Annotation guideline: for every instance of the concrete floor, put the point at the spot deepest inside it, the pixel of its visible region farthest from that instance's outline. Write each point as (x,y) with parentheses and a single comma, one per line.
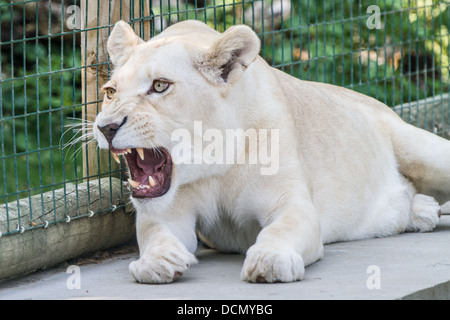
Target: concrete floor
(411,265)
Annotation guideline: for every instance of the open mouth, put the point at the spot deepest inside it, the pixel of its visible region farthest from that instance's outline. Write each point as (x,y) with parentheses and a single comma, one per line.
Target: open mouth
(150,170)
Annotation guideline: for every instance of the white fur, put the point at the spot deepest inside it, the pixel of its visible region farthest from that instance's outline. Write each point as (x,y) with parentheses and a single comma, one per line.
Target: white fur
(349,167)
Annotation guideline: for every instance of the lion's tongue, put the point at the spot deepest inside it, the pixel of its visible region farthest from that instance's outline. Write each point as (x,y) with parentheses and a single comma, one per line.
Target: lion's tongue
(147,176)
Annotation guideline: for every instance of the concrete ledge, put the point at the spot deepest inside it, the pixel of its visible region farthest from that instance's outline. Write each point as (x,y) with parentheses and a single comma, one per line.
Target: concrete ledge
(411,266)
(42,247)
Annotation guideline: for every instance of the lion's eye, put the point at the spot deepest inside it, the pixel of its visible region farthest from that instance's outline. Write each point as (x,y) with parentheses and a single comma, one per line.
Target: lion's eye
(110,92)
(160,86)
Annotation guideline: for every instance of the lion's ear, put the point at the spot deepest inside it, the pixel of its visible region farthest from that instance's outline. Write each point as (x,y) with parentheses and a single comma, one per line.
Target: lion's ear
(121,43)
(226,59)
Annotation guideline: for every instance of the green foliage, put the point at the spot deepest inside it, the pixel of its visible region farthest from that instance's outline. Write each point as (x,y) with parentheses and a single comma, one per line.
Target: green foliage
(405,60)
(40,88)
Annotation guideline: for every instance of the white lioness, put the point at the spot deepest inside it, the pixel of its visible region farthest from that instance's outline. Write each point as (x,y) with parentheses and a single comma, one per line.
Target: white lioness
(349,167)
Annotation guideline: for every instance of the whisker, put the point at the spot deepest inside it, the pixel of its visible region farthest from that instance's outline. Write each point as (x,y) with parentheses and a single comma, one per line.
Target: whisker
(83,127)
(79,119)
(78,139)
(84,146)
(74,136)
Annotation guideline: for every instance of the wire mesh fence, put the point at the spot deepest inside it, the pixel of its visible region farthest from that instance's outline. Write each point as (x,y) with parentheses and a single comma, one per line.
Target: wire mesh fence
(53,62)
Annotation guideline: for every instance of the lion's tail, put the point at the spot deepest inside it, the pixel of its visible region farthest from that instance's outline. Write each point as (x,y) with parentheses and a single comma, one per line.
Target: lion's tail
(423,157)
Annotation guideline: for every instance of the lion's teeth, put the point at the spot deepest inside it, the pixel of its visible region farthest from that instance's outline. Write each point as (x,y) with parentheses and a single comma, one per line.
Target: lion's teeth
(128,150)
(140,151)
(151,181)
(133,184)
(116,157)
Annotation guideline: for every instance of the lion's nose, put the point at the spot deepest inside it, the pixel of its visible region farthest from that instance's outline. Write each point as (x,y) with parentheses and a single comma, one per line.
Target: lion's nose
(110,130)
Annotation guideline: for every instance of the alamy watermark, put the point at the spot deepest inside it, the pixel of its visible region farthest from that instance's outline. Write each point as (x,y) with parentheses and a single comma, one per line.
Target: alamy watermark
(73,21)
(374,280)
(229,146)
(374,21)
(74,280)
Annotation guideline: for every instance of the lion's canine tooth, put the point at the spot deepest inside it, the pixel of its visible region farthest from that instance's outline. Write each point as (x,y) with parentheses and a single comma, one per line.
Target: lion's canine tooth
(151,181)
(128,150)
(140,151)
(133,184)
(116,157)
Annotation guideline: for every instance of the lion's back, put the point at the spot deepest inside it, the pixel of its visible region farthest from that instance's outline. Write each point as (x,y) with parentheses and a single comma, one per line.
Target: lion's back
(348,154)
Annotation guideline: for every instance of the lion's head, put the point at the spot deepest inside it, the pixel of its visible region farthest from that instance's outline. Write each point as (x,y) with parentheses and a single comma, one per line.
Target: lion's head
(183,75)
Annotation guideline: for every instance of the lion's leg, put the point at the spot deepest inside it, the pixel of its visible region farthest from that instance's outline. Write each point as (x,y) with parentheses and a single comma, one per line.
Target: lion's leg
(285,246)
(163,256)
(423,158)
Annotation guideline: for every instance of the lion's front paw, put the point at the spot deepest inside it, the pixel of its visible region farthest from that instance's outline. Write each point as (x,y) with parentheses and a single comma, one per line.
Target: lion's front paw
(272,266)
(161,268)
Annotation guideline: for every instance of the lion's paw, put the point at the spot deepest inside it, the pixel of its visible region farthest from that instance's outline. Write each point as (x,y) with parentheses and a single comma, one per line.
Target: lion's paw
(272,266)
(161,268)
(425,213)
